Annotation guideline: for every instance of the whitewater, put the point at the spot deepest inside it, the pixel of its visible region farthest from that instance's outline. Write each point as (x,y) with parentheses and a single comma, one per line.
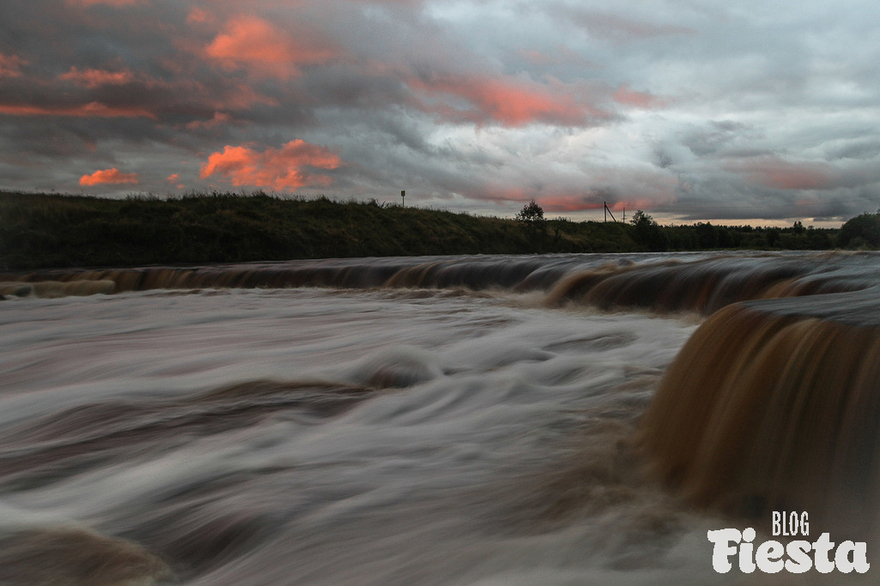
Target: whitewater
(458,420)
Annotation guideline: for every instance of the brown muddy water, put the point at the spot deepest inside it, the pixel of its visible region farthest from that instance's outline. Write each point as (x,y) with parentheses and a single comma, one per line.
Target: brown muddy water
(458,420)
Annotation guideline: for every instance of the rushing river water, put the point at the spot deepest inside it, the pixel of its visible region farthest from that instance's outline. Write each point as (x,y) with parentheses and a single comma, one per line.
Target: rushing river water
(403,432)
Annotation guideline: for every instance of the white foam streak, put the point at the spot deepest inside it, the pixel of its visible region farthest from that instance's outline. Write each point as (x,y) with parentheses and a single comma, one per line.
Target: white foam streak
(433,480)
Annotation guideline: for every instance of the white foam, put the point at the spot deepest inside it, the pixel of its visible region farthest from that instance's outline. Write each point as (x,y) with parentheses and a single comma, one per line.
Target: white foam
(425,479)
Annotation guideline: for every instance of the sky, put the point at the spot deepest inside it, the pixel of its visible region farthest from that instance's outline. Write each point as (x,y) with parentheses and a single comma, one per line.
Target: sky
(724,111)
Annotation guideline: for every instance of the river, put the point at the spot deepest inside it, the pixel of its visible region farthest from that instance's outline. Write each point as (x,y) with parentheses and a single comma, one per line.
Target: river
(382,421)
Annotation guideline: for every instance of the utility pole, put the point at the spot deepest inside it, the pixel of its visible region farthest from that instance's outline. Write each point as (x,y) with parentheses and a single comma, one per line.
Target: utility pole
(608,212)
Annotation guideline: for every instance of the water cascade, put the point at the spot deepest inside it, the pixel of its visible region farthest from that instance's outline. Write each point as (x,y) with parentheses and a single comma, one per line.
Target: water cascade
(416,420)
(774,405)
(697,282)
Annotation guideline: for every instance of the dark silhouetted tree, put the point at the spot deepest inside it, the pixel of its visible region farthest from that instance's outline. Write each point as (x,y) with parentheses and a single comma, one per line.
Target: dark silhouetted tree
(531,213)
(648,233)
(531,216)
(861,231)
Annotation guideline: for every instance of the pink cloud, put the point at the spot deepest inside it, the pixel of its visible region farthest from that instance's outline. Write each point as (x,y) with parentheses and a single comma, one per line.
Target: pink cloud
(10,65)
(644,100)
(273,168)
(90,110)
(114,3)
(239,97)
(216,120)
(567,203)
(93,78)
(108,176)
(198,16)
(251,42)
(508,102)
(777,173)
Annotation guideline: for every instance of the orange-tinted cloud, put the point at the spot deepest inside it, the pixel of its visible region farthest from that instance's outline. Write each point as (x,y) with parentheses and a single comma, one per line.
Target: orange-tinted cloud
(175,178)
(568,203)
(508,102)
(10,65)
(93,78)
(108,176)
(248,41)
(625,96)
(115,3)
(197,16)
(90,110)
(273,168)
(777,173)
(240,96)
(217,119)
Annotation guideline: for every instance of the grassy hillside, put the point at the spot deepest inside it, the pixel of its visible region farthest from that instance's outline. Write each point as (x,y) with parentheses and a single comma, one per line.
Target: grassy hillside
(43,230)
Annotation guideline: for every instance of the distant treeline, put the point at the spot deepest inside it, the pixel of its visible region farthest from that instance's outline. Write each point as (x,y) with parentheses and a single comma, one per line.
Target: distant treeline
(50,230)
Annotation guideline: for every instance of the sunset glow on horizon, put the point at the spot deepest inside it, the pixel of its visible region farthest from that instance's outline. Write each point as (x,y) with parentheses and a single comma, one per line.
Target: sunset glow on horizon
(720,111)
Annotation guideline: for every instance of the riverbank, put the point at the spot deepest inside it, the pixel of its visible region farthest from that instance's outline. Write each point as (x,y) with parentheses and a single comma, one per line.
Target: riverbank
(55,231)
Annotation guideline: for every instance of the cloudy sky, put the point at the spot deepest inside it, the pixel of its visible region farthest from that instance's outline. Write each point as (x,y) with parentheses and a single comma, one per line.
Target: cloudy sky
(728,111)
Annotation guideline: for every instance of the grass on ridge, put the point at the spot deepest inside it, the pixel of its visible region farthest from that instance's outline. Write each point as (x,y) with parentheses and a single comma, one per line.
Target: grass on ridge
(51,230)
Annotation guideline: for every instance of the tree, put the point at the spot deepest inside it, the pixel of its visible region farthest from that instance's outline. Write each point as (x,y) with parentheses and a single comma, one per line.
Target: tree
(648,233)
(531,217)
(707,235)
(640,218)
(861,231)
(531,213)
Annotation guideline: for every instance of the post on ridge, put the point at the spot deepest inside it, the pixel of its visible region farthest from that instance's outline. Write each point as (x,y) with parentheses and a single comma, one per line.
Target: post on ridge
(608,211)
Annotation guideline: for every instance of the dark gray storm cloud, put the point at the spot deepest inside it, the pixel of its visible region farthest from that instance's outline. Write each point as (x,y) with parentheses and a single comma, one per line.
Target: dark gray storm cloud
(691,111)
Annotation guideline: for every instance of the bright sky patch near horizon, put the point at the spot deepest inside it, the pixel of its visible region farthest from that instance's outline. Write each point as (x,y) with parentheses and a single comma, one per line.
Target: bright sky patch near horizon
(729,112)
